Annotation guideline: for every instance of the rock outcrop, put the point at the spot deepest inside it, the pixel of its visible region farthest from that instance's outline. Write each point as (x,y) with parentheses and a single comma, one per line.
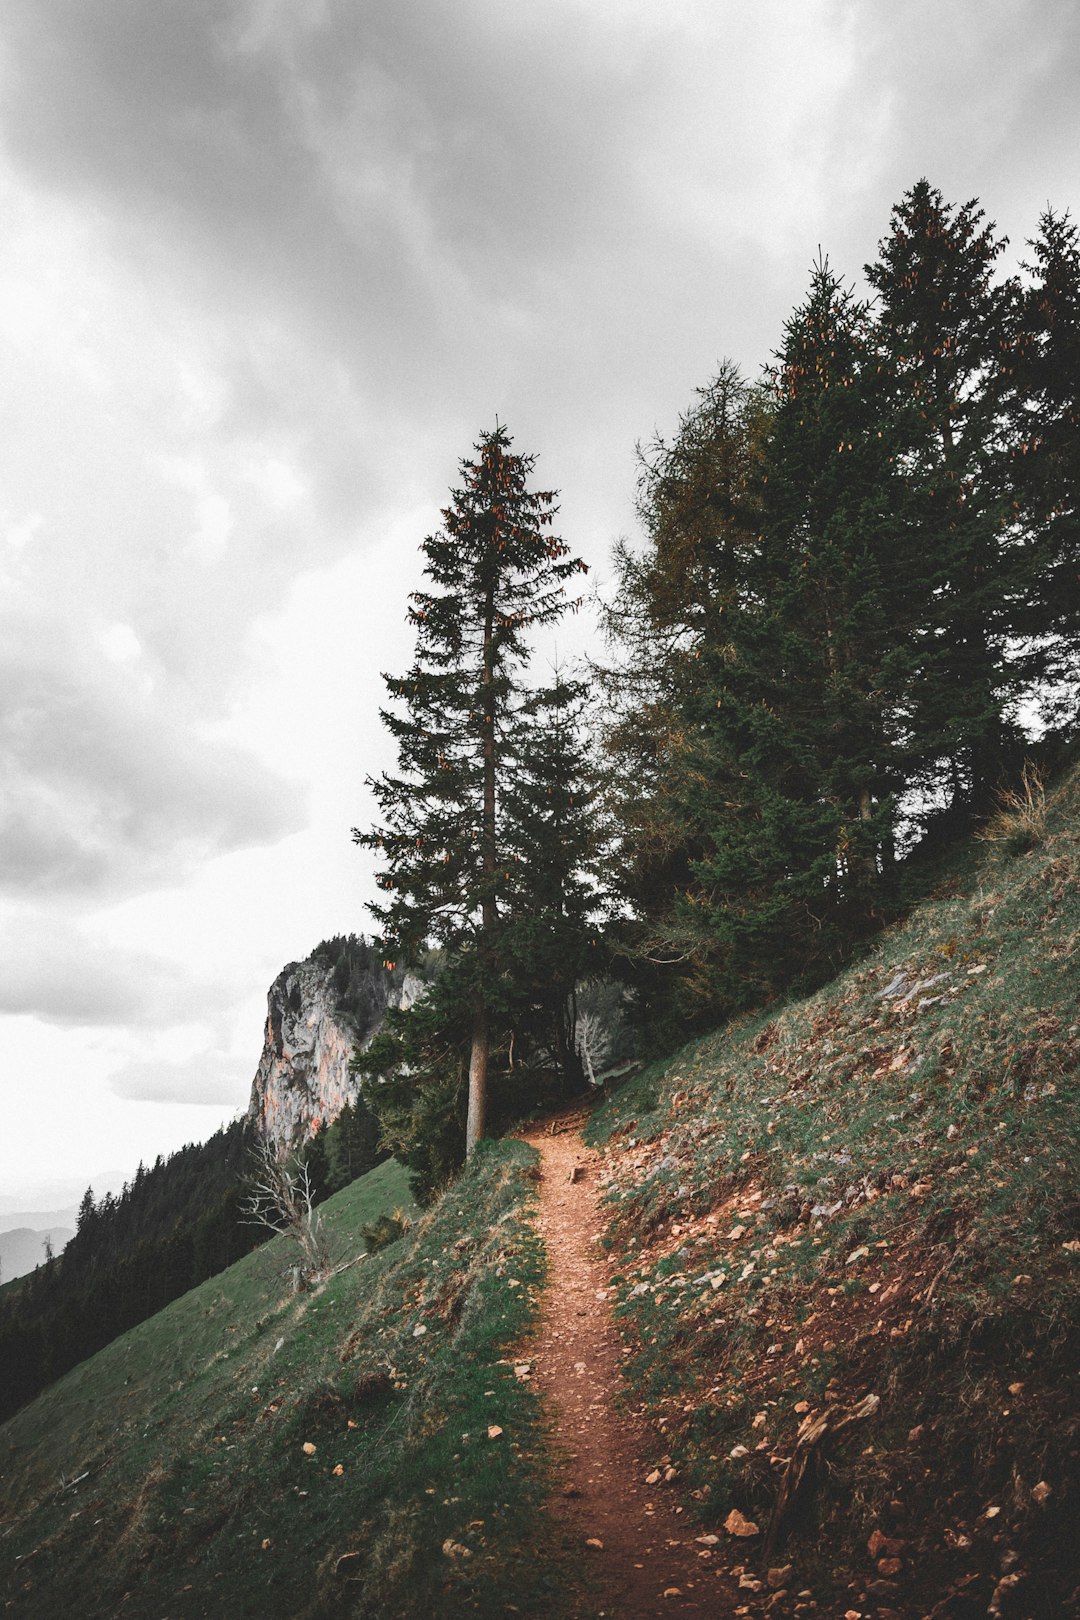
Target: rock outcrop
(318,1012)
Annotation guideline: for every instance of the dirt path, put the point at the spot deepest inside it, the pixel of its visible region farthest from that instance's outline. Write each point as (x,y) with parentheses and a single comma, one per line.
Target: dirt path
(649,1562)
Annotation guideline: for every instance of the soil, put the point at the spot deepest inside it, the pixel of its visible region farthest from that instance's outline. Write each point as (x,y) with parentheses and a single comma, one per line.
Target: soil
(640,1542)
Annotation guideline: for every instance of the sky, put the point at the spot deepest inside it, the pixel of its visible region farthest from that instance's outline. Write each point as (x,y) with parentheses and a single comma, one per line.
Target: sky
(267,271)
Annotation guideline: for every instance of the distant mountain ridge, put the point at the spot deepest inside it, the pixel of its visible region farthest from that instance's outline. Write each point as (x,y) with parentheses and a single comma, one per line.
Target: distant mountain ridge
(39,1220)
(24,1247)
(32,1201)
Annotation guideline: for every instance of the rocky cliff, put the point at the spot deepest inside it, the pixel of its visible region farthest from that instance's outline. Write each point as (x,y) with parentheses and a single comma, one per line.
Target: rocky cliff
(318,1012)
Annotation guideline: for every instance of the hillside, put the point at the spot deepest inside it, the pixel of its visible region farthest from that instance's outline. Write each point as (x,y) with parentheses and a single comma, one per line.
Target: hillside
(847,1245)
(174,1225)
(842,1239)
(182,1220)
(249,1452)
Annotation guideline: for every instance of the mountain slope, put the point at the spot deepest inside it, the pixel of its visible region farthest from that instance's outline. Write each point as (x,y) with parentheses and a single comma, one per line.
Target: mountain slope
(845,1246)
(848,1237)
(248,1452)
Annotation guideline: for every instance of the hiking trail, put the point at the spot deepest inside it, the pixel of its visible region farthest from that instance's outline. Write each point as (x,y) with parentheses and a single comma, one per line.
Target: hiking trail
(649,1561)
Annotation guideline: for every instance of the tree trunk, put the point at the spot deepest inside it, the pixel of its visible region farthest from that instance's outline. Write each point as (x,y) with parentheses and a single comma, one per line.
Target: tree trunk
(478,1058)
(487,695)
(867,854)
(478,1064)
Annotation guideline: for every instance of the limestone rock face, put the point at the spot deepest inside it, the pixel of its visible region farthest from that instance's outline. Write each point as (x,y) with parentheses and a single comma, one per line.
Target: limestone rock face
(303,1080)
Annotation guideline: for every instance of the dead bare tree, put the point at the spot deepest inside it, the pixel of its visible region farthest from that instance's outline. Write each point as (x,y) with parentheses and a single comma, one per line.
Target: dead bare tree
(281,1199)
(592,1038)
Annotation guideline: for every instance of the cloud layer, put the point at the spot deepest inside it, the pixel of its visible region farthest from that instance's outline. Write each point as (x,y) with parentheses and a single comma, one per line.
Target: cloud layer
(105,789)
(191,1080)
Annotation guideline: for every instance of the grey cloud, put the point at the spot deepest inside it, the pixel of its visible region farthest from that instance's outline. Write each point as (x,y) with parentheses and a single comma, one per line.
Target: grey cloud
(442,196)
(347,117)
(201,1079)
(459,210)
(108,788)
(380,205)
(51,970)
(406,177)
(981,99)
(151,101)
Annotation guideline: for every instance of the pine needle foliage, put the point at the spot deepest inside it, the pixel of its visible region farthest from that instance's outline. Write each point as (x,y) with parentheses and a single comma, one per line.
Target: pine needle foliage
(944,331)
(856,604)
(496,572)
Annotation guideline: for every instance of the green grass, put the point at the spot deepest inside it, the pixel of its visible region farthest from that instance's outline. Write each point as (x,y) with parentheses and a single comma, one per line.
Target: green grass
(201,1499)
(940,1134)
(195,1348)
(872,1192)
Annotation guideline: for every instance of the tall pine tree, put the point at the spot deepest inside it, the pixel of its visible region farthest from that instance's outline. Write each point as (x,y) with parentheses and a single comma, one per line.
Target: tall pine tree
(792,776)
(851,596)
(1043,476)
(496,571)
(674,597)
(944,331)
(553,839)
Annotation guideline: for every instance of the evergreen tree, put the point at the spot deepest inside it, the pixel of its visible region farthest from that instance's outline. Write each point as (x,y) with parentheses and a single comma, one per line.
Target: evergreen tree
(674,598)
(351,1144)
(850,594)
(495,571)
(172,1226)
(791,775)
(84,1221)
(944,327)
(774,640)
(414,1076)
(1044,472)
(553,836)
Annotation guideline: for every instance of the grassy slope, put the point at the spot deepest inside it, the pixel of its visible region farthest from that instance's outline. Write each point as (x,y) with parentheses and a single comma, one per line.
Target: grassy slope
(873,1193)
(191,1348)
(201,1500)
(876,1192)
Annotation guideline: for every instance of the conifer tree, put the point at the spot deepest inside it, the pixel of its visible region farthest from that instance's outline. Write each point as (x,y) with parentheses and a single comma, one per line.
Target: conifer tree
(800,728)
(850,595)
(1044,473)
(781,629)
(672,604)
(495,571)
(352,1144)
(553,838)
(944,332)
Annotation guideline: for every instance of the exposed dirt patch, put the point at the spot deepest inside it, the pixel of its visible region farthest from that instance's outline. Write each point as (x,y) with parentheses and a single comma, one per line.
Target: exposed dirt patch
(649,1561)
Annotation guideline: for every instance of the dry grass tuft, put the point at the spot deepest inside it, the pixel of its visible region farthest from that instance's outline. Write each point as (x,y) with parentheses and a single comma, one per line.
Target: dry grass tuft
(1020,823)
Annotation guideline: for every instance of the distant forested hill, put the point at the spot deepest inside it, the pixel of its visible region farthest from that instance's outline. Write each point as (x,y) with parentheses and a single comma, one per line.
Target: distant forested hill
(177,1223)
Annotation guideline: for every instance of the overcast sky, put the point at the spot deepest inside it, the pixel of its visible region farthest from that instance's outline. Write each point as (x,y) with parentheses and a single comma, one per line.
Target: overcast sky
(267,269)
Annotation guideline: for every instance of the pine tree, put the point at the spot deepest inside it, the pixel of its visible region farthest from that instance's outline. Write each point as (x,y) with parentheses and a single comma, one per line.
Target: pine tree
(352,1144)
(412,1076)
(674,597)
(792,776)
(944,331)
(495,571)
(553,837)
(776,641)
(1044,472)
